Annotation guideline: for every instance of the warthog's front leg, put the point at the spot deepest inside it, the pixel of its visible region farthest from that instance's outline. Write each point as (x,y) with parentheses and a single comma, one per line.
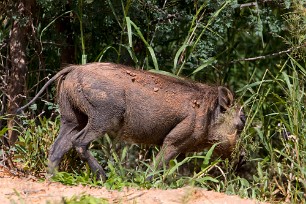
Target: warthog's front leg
(177,141)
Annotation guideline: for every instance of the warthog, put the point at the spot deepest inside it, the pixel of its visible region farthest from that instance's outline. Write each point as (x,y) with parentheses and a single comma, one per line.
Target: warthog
(140,107)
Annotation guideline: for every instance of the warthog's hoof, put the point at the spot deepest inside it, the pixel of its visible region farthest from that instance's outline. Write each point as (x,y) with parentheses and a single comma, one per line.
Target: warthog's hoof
(101,176)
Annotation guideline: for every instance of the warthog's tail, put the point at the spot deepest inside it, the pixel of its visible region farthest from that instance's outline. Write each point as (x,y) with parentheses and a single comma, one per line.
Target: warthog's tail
(57,75)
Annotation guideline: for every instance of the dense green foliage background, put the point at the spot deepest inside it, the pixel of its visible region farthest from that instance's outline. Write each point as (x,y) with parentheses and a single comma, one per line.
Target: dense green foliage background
(257,48)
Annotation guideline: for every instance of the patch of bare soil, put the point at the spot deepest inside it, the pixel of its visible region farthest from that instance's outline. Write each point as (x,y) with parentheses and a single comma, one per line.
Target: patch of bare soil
(30,191)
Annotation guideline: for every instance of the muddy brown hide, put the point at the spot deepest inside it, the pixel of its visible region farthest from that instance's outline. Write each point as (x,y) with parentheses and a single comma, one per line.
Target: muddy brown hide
(141,107)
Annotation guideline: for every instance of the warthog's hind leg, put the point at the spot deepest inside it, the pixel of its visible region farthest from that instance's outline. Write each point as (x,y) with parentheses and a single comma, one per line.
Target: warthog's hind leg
(81,146)
(92,162)
(62,144)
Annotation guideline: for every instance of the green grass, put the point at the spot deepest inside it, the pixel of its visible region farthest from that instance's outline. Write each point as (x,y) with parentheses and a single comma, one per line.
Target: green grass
(121,175)
(84,199)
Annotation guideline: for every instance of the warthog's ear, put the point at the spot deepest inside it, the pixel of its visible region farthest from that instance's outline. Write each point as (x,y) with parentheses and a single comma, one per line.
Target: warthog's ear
(225,98)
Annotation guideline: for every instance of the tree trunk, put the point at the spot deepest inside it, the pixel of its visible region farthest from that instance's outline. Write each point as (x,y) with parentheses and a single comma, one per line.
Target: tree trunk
(18,70)
(64,26)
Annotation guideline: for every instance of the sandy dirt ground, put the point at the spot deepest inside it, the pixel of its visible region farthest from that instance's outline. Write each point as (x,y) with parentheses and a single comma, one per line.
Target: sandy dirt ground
(15,189)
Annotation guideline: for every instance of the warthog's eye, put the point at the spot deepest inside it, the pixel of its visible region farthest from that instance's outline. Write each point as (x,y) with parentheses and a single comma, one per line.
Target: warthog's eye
(222,109)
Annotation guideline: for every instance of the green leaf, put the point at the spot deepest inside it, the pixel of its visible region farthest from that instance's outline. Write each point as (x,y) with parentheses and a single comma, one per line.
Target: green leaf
(164,73)
(178,54)
(124,153)
(131,52)
(33,107)
(129,30)
(206,63)
(244,182)
(209,153)
(3,131)
(254,84)
(177,165)
(298,64)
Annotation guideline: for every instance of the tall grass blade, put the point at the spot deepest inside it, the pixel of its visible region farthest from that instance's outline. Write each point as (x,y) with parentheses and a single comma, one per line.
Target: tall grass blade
(297,64)
(102,53)
(129,30)
(114,13)
(206,63)
(131,23)
(254,84)
(209,154)
(131,52)
(165,73)
(178,54)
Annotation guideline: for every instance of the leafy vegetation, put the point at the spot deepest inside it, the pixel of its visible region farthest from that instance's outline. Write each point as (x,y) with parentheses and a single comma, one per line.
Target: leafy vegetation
(84,199)
(256,48)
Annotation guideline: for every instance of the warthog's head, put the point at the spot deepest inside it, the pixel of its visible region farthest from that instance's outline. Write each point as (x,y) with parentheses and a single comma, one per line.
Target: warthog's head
(228,124)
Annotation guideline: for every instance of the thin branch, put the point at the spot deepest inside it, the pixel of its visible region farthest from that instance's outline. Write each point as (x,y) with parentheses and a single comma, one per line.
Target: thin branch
(251,4)
(254,4)
(270,55)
